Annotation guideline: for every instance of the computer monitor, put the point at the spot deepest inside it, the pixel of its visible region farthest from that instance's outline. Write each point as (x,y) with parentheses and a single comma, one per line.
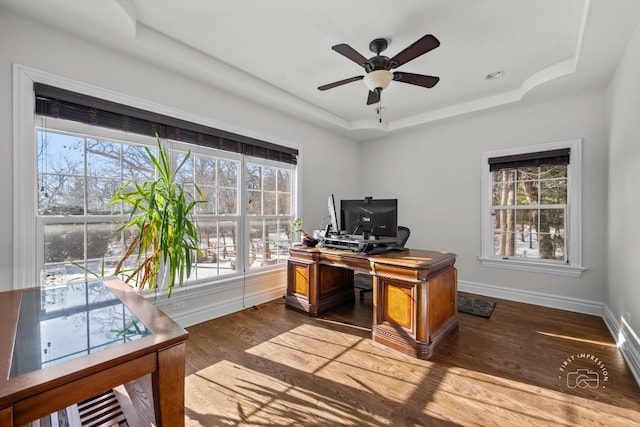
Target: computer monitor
(335,228)
(370,217)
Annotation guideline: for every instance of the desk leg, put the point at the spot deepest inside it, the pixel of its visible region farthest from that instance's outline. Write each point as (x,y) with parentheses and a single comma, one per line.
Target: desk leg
(168,386)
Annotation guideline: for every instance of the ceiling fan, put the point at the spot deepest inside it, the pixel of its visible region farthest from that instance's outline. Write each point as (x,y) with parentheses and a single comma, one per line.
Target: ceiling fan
(377,67)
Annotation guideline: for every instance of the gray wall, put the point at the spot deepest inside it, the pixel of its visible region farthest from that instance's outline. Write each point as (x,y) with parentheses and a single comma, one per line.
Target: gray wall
(623,237)
(435,172)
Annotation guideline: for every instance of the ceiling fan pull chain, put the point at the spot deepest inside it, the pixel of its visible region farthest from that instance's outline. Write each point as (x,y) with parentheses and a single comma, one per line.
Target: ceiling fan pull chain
(380,110)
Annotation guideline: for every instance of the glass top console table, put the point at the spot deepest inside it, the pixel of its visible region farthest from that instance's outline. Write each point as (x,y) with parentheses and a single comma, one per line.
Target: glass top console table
(61,345)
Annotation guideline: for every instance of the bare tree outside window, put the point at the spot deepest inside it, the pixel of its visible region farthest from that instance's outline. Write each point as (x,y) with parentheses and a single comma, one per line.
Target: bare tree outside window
(529,206)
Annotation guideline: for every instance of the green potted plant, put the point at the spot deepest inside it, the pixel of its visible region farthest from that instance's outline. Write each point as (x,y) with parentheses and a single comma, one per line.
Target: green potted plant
(307,240)
(165,237)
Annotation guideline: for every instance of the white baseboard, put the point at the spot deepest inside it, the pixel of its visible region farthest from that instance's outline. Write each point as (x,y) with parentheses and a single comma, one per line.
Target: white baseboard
(537,298)
(626,339)
(192,317)
(204,303)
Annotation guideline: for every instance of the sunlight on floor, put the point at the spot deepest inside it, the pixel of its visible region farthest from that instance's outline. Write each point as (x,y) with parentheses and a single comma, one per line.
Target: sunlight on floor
(484,396)
(582,340)
(292,380)
(353,361)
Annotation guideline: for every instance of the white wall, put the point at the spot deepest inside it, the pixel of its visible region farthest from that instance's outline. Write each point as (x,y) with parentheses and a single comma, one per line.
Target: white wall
(435,173)
(38,46)
(623,239)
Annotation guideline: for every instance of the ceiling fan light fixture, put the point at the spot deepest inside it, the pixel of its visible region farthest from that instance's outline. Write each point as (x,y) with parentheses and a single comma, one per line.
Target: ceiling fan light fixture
(378,79)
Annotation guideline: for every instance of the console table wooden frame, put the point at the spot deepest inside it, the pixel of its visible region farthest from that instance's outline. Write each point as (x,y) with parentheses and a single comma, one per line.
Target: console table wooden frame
(28,397)
(414,292)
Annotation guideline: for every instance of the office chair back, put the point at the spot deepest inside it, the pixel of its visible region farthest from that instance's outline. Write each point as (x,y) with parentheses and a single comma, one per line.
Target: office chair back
(403,235)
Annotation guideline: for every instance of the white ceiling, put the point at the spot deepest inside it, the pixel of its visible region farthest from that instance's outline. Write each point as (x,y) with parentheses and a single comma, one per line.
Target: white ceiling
(278,52)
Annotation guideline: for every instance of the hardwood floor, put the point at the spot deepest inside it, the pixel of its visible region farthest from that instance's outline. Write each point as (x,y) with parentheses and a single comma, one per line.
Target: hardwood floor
(273,366)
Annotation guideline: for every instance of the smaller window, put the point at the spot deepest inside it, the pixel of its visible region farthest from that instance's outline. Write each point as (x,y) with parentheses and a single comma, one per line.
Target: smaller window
(531,208)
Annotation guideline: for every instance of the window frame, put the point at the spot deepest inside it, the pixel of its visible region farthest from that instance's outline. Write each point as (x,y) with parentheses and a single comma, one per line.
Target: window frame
(573,226)
(26,231)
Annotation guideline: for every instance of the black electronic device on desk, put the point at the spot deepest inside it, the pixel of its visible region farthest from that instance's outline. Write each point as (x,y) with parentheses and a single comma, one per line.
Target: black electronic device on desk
(358,244)
(375,219)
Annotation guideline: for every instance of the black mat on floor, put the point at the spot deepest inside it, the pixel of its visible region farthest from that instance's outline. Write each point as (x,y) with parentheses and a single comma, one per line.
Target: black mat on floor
(474,306)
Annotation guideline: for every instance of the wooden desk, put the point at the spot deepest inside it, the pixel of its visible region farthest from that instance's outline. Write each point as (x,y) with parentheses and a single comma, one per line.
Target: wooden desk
(414,292)
(30,396)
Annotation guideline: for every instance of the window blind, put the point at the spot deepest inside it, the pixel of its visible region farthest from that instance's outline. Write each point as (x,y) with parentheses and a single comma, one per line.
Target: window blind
(60,103)
(541,158)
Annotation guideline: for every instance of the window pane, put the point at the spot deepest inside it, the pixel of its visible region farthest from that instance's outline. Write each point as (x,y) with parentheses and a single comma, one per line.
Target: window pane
(504,230)
(254,202)
(60,154)
(528,174)
(552,221)
(218,243)
(527,193)
(227,202)
(60,174)
(269,242)
(205,170)
(99,192)
(104,241)
(103,158)
(136,164)
(209,194)
(557,171)
(227,173)
(283,239)
(269,203)
(254,177)
(503,189)
(62,242)
(269,179)
(256,243)
(284,180)
(186,173)
(284,203)
(554,192)
(61,195)
(504,244)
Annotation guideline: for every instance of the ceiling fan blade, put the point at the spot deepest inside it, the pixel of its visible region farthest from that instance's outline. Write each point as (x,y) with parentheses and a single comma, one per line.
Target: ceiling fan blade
(350,53)
(416,79)
(340,83)
(420,47)
(374,97)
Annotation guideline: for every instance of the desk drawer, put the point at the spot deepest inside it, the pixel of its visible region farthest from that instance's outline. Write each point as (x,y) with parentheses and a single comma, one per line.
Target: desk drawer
(346,260)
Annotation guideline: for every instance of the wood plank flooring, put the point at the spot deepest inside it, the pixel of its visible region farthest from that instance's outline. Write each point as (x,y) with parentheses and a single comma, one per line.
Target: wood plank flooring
(270,366)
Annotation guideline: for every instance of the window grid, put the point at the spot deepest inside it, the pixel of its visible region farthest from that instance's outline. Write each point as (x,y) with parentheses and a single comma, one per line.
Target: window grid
(269,203)
(527,224)
(88,172)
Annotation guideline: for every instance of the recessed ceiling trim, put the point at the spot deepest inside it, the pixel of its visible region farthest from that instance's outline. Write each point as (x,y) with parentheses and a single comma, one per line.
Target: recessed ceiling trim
(204,68)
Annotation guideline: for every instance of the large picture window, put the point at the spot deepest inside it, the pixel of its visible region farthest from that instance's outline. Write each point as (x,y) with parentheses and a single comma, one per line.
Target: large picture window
(531,204)
(83,153)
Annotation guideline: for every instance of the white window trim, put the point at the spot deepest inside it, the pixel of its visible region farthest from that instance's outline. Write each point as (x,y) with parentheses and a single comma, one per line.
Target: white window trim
(574,214)
(25,170)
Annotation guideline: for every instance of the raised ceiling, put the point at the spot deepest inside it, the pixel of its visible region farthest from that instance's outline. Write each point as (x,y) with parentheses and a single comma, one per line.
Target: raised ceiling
(278,52)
